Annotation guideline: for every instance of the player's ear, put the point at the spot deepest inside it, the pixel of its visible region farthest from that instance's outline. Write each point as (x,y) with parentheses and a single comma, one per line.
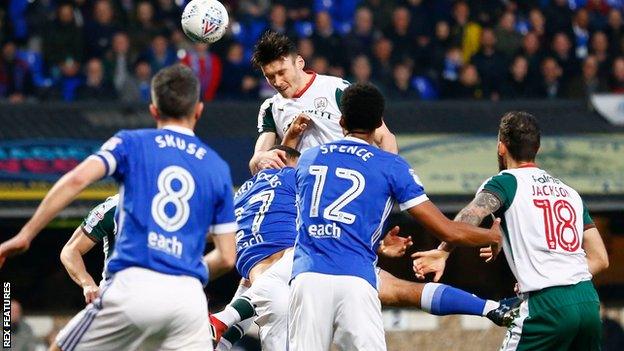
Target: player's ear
(154,112)
(299,62)
(199,108)
(502,149)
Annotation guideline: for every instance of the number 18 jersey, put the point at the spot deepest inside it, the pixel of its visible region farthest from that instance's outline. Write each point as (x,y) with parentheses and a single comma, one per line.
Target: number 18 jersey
(543,226)
(173,190)
(346,192)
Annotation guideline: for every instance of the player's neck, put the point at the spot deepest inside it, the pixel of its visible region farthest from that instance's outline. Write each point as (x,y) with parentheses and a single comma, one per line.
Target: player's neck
(513,164)
(304,82)
(367,137)
(183,123)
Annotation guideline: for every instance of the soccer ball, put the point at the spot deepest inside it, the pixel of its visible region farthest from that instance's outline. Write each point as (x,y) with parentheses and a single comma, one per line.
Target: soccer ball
(204,20)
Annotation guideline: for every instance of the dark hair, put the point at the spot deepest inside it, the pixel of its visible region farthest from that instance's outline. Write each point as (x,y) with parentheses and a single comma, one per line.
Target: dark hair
(290,152)
(175,91)
(520,133)
(362,107)
(272,46)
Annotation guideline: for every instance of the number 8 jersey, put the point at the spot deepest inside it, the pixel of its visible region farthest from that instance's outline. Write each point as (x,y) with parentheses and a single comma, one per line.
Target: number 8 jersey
(543,224)
(173,191)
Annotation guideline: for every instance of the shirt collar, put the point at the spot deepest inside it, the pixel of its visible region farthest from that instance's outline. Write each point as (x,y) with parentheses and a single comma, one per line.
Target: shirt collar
(178,129)
(356,140)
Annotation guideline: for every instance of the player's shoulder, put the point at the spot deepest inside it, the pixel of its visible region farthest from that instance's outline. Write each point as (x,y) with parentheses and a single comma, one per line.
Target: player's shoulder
(332,81)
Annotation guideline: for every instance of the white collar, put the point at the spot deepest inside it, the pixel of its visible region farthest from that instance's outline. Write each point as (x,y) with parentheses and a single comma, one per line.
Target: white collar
(181,130)
(356,140)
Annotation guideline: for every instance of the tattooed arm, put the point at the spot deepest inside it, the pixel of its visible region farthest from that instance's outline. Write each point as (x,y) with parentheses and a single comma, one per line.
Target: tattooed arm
(484,204)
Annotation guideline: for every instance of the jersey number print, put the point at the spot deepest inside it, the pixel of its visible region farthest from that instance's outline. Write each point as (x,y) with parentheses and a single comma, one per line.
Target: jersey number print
(564,232)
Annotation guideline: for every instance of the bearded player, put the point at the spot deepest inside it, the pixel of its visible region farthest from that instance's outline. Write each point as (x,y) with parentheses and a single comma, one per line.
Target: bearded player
(551,244)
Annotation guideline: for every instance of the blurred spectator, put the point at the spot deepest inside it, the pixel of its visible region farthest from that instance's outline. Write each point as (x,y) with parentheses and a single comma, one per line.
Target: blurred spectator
(95,87)
(399,34)
(382,61)
(467,87)
(617,76)
(421,21)
(598,10)
(62,37)
(451,68)
(160,54)
(361,71)
(518,85)
(581,33)
(305,48)
(465,33)
(298,10)
(137,87)
(614,31)
(600,49)
(612,333)
(327,43)
(168,14)
(22,336)
(508,41)
(253,8)
(278,21)
(562,52)
(65,86)
(490,63)
(241,83)
(382,10)
(360,39)
(320,65)
(401,87)
(208,68)
(16,82)
(538,23)
(99,31)
(558,17)
(119,60)
(441,42)
(582,86)
(550,86)
(531,51)
(144,26)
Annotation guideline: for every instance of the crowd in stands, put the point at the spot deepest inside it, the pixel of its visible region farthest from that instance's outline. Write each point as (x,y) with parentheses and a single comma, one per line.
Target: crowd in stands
(102,50)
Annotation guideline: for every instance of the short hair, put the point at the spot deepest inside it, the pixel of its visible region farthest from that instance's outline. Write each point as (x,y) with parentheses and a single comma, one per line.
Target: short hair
(362,106)
(520,133)
(272,46)
(290,152)
(175,91)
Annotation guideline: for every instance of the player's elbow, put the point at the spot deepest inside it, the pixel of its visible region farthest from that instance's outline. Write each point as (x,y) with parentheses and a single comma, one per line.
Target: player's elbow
(229,260)
(602,263)
(66,255)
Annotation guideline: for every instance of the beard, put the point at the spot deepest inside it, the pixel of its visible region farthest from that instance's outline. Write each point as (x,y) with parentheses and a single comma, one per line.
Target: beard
(501,163)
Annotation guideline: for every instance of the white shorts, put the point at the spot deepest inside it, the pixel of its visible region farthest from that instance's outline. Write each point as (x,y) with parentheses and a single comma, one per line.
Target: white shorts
(139,306)
(269,294)
(339,307)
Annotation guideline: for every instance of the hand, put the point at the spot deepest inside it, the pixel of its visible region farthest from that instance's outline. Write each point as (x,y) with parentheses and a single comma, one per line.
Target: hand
(394,245)
(432,261)
(14,246)
(299,125)
(274,159)
(90,292)
(490,253)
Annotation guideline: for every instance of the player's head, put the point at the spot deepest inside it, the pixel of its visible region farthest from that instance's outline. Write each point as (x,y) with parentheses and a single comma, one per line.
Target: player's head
(292,155)
(175,94)
(518,138)
(277,57)
(362,106)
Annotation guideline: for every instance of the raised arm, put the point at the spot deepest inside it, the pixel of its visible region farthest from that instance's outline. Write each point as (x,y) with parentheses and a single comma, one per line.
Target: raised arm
(71,257)
(595,251)
(262,158)
(61,194)
(385,140)
(453,232)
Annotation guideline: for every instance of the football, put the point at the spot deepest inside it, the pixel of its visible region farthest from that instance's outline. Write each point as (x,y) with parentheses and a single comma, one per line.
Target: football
(204,20)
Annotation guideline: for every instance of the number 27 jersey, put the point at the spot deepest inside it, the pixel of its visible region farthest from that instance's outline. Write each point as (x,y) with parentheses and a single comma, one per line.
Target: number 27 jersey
(173,190)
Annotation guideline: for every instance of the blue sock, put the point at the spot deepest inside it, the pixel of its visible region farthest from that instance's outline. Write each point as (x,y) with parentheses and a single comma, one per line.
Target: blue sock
(441,300)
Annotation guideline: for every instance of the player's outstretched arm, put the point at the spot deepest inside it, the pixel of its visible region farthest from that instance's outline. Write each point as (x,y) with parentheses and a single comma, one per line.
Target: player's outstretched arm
(455,233)
(71,257)
(223,257)
(385,140)
(262,158)
(595,251)
(393,245)
(61,194)
(295,131)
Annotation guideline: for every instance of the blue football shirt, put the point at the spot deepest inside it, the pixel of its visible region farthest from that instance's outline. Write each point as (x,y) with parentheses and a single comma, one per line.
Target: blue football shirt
(173,191)
(347,189)
(266,214)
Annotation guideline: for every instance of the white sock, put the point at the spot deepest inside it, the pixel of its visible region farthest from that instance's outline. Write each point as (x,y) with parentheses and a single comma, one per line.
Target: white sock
(489,306)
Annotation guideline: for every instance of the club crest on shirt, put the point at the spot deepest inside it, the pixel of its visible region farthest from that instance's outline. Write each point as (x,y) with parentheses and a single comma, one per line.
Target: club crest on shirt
(320,103)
